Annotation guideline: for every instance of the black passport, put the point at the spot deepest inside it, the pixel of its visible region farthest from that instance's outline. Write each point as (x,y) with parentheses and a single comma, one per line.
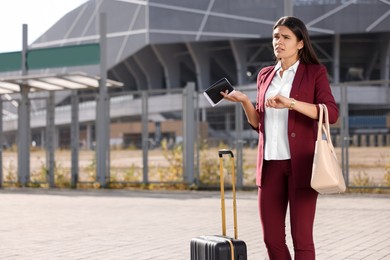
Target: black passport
(213,94)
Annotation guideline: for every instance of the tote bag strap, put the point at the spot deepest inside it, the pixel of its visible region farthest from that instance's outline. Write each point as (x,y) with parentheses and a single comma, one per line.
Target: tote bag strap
(320,122)
(324,126)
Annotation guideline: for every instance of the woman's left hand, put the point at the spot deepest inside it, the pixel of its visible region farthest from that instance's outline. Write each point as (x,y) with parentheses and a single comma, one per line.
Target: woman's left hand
(278,101)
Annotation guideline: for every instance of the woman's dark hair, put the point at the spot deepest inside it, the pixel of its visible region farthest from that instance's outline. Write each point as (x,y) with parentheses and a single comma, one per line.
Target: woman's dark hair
(307,54)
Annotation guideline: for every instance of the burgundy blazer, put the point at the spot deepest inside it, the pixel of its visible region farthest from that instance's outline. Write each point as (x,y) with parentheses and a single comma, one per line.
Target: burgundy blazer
(310,85)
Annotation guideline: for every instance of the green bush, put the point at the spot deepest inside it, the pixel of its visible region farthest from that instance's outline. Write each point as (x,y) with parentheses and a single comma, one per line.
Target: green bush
(387,175)
(362,180)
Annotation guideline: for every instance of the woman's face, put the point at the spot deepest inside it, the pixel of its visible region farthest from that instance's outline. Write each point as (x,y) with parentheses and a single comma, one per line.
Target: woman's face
(286,44)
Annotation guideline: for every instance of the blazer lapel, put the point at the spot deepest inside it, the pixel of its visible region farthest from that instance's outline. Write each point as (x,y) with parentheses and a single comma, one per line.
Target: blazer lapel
(297,81)
(267,81)
(296,85)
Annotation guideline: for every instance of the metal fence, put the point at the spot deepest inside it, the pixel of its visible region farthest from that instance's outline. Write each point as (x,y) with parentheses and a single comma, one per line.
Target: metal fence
(171,138)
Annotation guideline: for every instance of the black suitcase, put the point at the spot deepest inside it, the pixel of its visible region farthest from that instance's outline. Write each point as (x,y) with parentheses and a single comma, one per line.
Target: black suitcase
(217,247)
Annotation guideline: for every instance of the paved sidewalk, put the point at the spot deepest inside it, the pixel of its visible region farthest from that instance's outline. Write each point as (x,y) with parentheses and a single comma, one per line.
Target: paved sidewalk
(140,225)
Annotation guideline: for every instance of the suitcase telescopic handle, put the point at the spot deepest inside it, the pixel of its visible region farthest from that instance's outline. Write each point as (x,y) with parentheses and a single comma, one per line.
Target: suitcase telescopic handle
(225,151)
(222,186)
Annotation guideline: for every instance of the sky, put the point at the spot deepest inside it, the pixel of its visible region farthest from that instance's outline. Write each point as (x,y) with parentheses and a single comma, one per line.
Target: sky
(39,15)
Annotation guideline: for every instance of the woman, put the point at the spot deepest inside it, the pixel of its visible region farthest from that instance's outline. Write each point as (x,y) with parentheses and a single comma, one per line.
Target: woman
(285,117)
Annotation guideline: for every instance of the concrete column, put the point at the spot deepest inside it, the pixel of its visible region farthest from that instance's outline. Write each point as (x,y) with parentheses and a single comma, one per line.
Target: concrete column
(363,140)
(239,53)
(355,140)
(170,64)
(137,73)
(147,62)
(372,140)
(201,59)
(380,140)
(228,67)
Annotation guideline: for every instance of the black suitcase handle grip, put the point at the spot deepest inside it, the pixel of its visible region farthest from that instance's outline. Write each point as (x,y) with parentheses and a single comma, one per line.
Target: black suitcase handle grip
(225,151)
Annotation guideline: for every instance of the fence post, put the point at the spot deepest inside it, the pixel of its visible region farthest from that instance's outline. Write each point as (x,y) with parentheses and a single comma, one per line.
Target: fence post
(145,136)
(102,112)
(24,132)
(344,132)
(239,145)
(188,133)
(50,126)
(74,132)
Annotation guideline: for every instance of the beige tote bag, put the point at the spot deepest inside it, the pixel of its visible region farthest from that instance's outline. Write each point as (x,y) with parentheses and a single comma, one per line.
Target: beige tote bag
(327,177)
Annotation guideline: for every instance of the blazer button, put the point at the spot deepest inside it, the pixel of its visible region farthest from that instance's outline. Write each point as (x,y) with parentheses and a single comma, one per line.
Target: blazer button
(293,135)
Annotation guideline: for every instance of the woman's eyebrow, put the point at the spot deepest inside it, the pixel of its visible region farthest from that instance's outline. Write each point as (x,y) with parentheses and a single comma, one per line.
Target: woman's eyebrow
(280,34)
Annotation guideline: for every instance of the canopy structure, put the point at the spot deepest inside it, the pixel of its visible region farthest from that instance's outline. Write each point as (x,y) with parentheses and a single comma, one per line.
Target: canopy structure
(25,84)
(53,82)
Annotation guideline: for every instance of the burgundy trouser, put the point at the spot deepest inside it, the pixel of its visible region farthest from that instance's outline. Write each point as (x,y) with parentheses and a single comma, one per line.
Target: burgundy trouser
(276,192)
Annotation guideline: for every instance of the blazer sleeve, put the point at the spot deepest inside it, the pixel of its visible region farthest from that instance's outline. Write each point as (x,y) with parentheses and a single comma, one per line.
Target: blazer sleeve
(323,94)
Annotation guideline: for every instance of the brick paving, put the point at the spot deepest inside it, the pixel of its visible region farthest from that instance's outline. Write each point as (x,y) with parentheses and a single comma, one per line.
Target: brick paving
(140,225)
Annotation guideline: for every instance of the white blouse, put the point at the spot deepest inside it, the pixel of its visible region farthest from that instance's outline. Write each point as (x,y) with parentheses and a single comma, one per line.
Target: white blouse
(276,138)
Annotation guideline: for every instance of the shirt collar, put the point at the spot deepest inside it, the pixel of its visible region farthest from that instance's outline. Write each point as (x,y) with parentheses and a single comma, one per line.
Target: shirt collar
(294,67)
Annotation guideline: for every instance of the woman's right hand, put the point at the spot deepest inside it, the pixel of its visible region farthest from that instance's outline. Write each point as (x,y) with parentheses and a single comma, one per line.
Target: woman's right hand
(236,96)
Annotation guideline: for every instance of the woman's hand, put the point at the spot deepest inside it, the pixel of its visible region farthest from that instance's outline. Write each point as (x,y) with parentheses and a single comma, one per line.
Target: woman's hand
(236,96)
(278,101)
